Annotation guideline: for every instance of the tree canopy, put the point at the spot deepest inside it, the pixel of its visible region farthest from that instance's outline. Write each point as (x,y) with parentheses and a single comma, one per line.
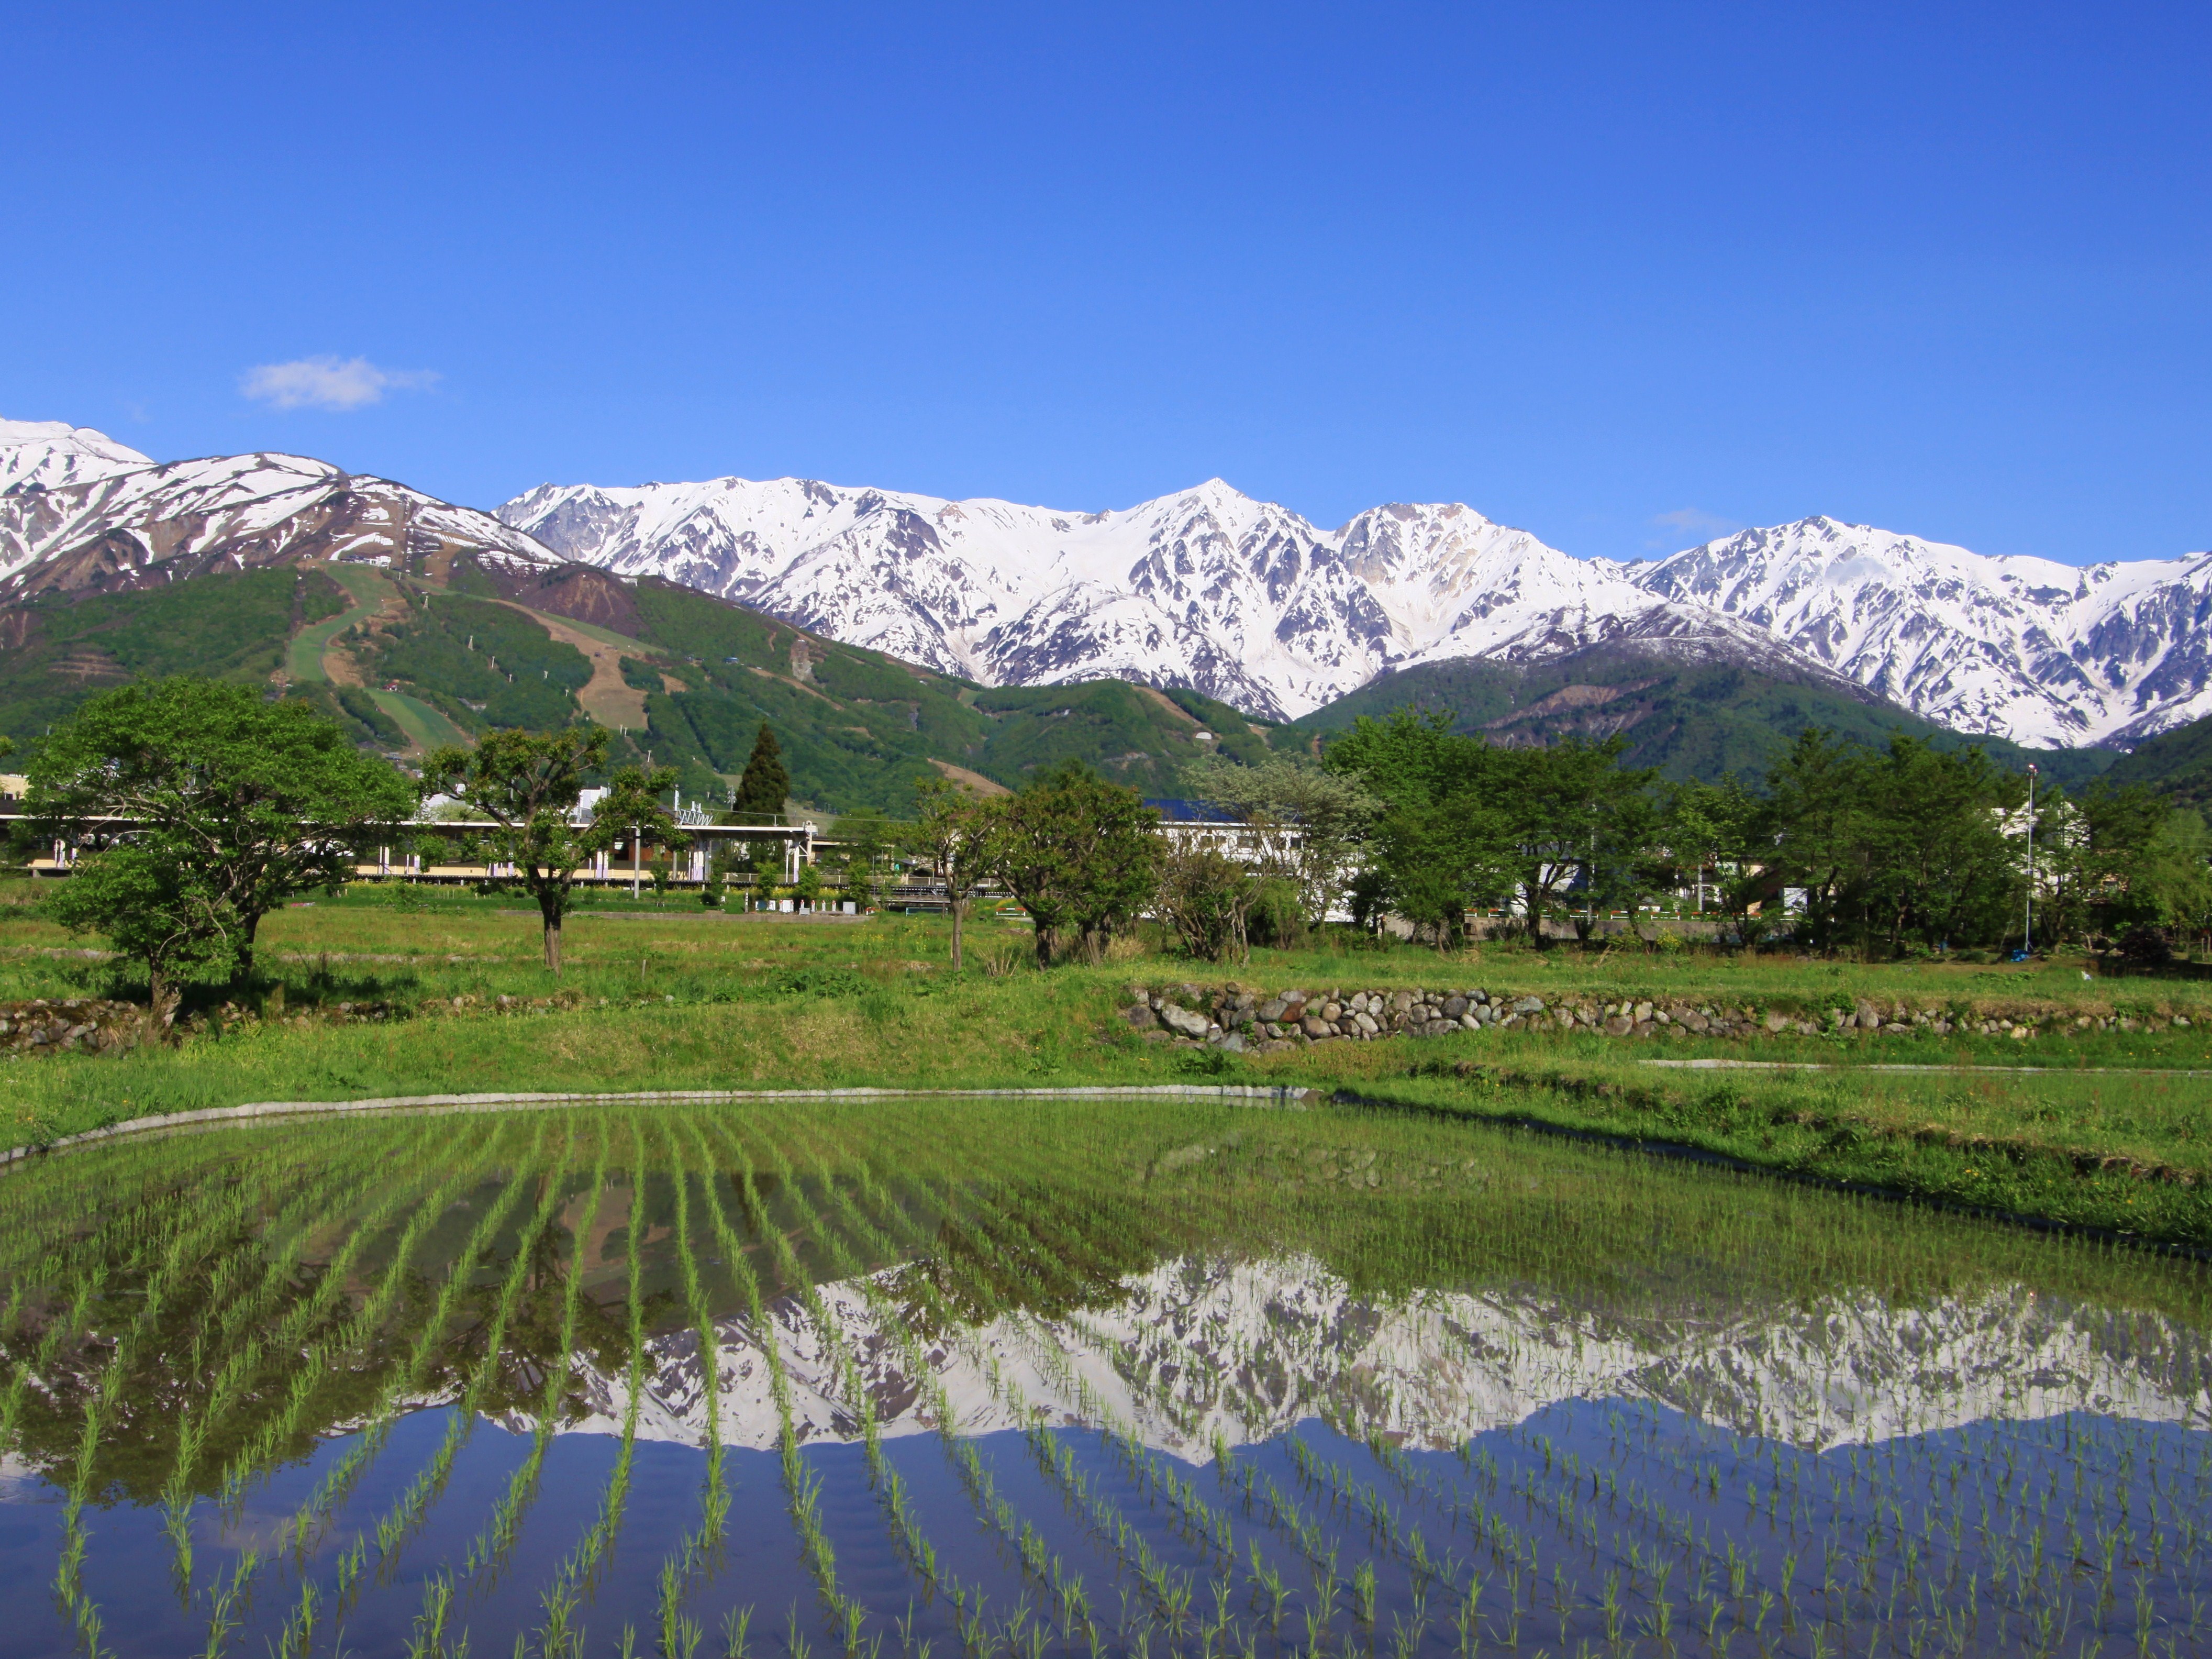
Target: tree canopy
(1908,847)
(765,785)
(210,806)
(1078,853)
(529,785)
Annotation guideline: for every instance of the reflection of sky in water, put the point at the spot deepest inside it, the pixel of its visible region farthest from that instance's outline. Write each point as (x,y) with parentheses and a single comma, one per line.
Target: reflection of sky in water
(1639,1395)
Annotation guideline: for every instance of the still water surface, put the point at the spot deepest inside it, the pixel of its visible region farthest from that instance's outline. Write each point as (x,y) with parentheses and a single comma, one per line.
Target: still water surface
(1130,1377)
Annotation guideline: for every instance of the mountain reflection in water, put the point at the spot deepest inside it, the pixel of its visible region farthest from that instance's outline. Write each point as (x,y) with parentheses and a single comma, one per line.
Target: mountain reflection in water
(1258,1380)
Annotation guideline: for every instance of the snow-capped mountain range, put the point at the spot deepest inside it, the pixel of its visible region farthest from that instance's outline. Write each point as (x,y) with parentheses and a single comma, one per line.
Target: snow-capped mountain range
(1208,588)
(1248,1350)
(1250,602)
(78,510)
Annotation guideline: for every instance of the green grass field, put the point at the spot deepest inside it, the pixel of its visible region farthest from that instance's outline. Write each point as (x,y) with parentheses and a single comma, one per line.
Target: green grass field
(424,726)
(368,588)
(670,995)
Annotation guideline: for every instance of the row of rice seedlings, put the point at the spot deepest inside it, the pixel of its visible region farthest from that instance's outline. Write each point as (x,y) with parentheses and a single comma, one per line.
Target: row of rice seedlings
(1057,1237)
(248,1312)
(180,1258)
(490,1548)
(54,1205)
(330,1357)
(976,1633)
(911,1539)
(1169,1590)
(326,1355)
(41,1251)
(1735,1565)
(557,1635)
(802,1489)
(1611,1488)
(1204,1525)
(406,1513)
(1066,1591)
(405,1380)
(680,1634)
(121,1250)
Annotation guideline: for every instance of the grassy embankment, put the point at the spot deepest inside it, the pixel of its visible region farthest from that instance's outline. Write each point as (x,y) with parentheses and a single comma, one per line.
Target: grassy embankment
(679,998)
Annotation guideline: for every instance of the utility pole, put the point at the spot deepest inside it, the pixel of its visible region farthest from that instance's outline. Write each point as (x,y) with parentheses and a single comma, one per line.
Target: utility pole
(636,857)
(2027,929)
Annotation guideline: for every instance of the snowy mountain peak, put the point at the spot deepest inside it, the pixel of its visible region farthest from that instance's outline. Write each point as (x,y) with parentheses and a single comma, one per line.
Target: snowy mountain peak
(83,513)
(1248,602)
(47,453)
(1207,587)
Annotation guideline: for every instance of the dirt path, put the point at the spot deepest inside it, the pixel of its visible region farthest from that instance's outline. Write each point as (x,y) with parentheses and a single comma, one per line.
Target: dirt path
(606,698)
(976,781)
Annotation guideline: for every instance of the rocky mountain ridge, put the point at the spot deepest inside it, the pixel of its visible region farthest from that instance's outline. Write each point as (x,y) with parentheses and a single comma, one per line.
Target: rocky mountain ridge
(79,512)
(1206,589)
(1249,1349)
(1250,602)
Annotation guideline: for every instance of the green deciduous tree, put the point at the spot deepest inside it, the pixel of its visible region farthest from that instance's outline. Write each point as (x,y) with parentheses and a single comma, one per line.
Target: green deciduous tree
(1206,894)
(765,785)
(1909,842)
(1079,853)
(953,831)
(232,804)
(156,910)
(1307,825)
(1471,824)
(528,785)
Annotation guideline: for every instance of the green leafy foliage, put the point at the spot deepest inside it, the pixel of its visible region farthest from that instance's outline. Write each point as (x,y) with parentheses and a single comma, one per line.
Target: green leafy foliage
(2177,763)
(1689,720)
(218,627)
(528,785)
(1078,852)
(233,804)
(485,665)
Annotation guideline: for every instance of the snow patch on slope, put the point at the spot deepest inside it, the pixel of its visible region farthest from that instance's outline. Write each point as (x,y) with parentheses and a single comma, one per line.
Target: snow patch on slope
(1250,602)
(1249,1350)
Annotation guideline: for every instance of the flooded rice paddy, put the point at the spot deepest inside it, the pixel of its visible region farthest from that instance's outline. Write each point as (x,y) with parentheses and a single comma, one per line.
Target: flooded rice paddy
(925,1380)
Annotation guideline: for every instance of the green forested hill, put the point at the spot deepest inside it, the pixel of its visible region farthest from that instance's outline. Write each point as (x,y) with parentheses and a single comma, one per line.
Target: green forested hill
(688,679)
(54,653)
(1689,719)
(2177,763)
(683,677)
(859,728)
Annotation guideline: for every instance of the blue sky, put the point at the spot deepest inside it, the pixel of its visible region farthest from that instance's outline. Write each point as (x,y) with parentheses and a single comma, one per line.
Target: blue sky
(1623,276)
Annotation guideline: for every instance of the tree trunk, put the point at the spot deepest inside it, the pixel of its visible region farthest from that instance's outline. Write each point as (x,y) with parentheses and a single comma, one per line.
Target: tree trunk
(1044,943)
(161,1006)
(959,908)
(249,923)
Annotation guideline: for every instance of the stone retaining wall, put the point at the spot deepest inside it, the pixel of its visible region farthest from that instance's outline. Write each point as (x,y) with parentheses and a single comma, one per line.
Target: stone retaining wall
(68,1024)
(1241,1018)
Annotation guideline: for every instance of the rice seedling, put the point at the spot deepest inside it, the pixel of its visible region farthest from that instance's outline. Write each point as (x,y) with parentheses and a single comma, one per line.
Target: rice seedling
(407,1513)
(1538,1396)
(492,1544)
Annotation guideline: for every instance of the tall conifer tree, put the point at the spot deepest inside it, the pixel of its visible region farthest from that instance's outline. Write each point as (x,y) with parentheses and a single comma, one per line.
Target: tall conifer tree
(765,786)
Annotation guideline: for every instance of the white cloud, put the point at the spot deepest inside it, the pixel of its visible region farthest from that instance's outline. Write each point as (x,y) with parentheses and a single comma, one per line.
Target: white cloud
(329,382)
(1691,524)
(1696,521)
